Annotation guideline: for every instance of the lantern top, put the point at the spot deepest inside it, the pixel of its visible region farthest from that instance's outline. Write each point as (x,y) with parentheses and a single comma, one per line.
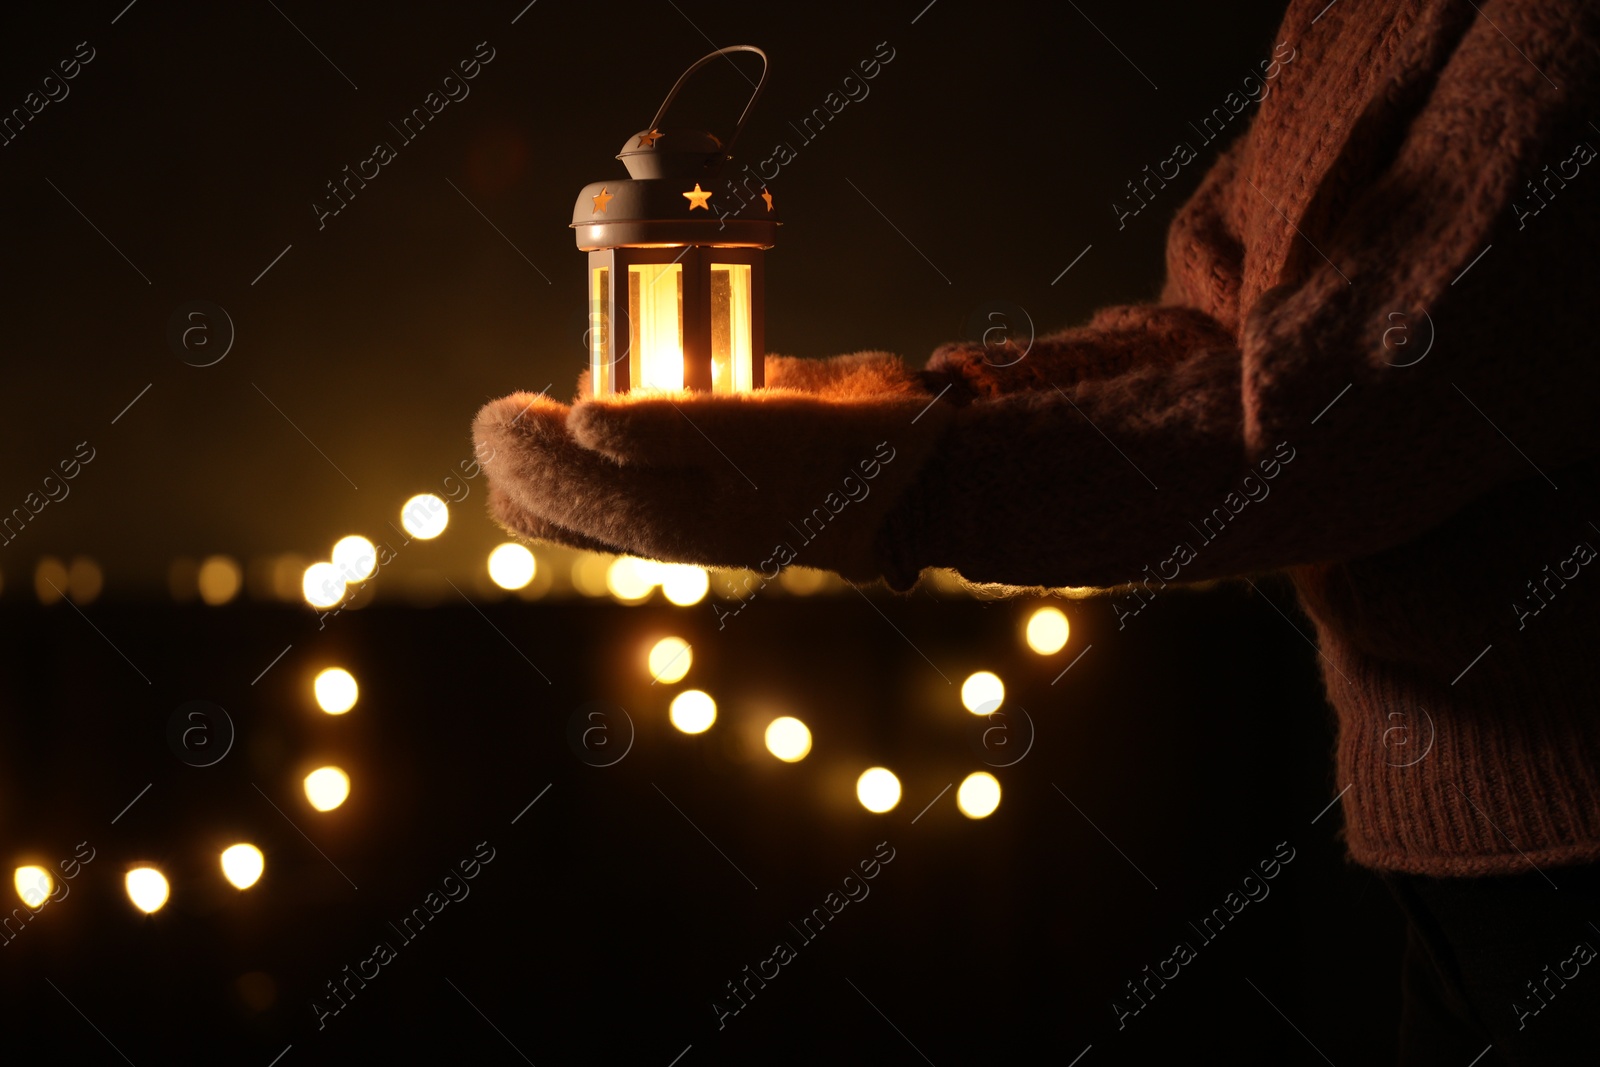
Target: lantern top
(684,151)
(673,153)
(674,173)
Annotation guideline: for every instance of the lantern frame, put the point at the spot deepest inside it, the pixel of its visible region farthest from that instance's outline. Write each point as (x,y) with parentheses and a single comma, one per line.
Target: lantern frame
(612,362)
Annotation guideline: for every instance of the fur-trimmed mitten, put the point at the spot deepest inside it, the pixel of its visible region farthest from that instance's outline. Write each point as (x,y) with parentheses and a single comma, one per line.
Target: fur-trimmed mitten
(804,471)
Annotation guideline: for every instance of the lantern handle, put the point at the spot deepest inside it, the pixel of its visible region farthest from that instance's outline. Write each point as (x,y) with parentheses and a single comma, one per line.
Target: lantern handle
(743,115)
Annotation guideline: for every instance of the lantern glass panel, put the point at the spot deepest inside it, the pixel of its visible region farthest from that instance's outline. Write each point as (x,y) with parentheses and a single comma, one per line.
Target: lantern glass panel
(599,328)
(655,315)
(731,358)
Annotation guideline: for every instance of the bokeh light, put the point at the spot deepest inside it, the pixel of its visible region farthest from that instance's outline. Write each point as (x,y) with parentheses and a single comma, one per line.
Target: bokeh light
(1047,631)
(336,690)
(84,580)
(34,885)
(684,584)
(147,888)
(629,579)
(50,580)
(511,566)
(736,583)
(589,574)
(242,865)
(219,579)
(878,789)
(650,571)
(327,788)
(982,692)
(979,795)
(803,581)
(693,711)
(322,586)
(788,738)
(669,659)
(425,516)
(355,558)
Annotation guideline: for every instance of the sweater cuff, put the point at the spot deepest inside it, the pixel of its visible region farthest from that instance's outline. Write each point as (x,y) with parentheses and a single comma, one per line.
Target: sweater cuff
(1115,341)
(982,372)
(1494,774)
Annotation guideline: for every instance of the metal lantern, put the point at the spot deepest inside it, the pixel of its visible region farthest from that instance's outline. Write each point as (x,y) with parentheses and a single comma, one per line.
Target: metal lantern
(675,250)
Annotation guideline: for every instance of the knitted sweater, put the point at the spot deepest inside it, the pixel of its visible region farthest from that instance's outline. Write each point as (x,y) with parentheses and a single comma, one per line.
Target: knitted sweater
(1372,366)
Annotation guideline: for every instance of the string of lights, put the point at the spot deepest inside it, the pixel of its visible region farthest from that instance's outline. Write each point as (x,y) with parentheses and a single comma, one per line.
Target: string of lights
(354,560)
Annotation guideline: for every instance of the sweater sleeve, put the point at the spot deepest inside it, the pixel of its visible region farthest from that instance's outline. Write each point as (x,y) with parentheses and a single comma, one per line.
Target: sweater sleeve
(1116,340)
(1314,434)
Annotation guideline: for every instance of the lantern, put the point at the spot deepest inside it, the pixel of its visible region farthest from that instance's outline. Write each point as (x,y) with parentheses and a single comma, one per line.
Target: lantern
(675,249)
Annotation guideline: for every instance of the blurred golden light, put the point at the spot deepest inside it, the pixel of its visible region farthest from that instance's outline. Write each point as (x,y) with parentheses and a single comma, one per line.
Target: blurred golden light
(336,690)
(803,581)
(788,738)
(425,516)
(982,692)
(147,888)
(589,574)
(684,584)
(669,659)
(736,583)
(693,711)
(511,566)
(979,795)
(878,789)
(84,580)
(545,569)
(34,885)
(355,558)
(322,586)
(50,580)
(650,571)
(327,788)
(629,579)
(1047,631)
(242,865)
(219,580)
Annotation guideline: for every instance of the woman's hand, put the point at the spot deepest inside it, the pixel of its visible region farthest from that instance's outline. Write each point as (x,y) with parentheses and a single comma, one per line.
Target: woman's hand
(803,471)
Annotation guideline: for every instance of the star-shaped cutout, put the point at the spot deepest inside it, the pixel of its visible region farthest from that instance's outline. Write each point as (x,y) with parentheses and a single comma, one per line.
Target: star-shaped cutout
(648,140)
(601,199)
(699,198)
(767,196)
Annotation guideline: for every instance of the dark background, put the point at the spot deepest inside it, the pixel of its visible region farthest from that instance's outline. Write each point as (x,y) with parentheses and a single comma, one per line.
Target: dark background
(996,140)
